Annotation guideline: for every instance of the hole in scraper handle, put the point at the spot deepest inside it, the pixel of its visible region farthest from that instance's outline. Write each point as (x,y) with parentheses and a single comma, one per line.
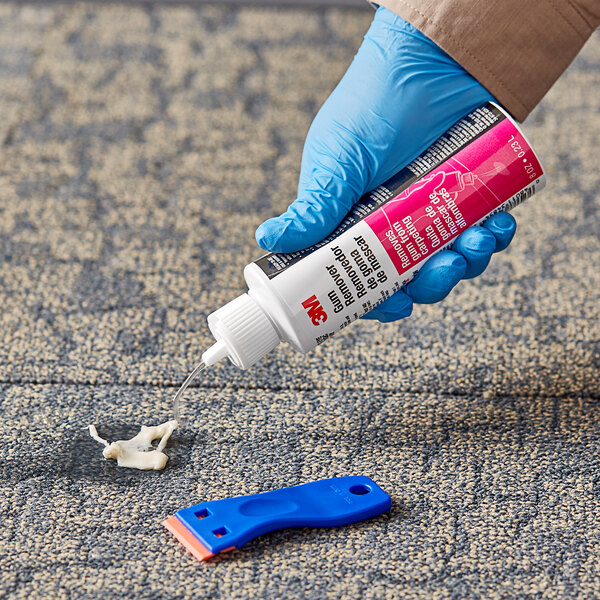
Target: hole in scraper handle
(220,532)
(360,489)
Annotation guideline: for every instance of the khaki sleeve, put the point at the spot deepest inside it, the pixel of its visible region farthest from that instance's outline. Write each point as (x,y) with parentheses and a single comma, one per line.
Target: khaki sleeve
(515,48)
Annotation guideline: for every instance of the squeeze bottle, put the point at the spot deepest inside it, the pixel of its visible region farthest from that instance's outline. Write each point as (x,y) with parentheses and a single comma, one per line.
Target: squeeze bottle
(483,164)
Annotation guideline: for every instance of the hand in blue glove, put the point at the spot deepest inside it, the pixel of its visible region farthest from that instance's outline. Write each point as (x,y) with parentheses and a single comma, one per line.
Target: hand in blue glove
(399,95)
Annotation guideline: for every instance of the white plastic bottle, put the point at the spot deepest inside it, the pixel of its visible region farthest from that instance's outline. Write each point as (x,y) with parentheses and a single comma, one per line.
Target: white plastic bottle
(481,165)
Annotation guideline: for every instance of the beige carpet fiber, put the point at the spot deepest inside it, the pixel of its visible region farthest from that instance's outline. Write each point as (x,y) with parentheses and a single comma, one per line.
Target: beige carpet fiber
(141,148)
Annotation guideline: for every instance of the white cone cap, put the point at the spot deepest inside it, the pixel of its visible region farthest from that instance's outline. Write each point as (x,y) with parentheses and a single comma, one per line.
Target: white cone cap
(243,332)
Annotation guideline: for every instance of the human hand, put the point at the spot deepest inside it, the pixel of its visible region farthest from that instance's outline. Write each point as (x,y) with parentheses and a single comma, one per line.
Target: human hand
(400,93)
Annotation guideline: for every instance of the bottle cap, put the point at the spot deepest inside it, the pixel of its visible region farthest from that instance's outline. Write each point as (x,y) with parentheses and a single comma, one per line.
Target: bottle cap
(243,332)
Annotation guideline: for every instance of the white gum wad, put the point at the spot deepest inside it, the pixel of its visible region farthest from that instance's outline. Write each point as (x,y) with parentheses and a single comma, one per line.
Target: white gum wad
(138,452)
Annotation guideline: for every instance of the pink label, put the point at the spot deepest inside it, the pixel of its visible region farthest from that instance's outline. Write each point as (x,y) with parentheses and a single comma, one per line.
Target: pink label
(478,179)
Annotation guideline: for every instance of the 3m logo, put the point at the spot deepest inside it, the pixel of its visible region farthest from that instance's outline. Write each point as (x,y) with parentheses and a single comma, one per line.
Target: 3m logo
(315,311)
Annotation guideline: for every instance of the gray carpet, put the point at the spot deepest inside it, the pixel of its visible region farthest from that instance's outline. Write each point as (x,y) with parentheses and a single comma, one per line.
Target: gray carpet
(312,4)
(141,148)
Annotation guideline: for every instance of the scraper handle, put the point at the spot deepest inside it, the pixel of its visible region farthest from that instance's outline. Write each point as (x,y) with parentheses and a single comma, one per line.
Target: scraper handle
(223,524)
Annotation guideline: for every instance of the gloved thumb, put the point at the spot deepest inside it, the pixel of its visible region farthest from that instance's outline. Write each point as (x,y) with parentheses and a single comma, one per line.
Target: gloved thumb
(329,185)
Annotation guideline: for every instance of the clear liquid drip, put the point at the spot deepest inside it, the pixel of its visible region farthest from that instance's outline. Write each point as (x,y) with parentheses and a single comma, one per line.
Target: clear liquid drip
(177,398)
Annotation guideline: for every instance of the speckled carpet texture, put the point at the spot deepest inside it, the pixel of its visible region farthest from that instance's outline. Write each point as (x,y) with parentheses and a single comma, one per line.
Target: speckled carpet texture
(141,147)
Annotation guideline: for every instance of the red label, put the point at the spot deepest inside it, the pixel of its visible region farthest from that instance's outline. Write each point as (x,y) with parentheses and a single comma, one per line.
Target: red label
(460,192)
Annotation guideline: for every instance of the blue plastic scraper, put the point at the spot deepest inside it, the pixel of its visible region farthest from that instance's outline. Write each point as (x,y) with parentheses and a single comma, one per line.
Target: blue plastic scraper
(208,528)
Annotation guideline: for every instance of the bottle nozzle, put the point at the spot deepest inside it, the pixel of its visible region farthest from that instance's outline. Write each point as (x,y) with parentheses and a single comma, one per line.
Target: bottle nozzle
(215,353)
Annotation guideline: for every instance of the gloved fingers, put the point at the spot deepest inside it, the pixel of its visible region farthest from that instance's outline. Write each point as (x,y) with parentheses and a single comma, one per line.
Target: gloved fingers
(437,277)
(503,226)
(398,306)
(476,245)
(469,257)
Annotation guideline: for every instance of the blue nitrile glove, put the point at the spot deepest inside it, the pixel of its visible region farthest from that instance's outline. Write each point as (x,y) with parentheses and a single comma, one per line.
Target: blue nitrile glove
(399,95)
